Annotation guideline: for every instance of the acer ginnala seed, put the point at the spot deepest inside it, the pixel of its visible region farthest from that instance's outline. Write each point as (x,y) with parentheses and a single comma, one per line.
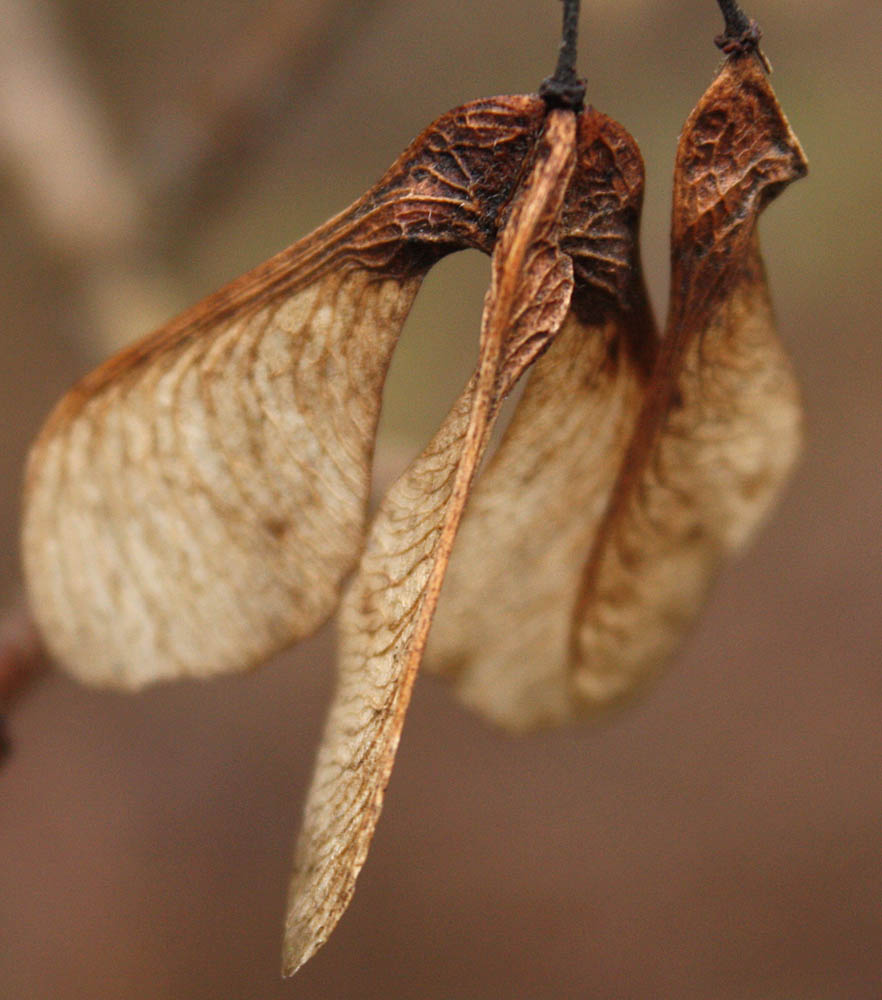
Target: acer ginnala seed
(199,501)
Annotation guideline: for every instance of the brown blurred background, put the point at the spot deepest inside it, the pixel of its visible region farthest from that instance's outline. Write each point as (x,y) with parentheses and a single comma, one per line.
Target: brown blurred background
(722,838)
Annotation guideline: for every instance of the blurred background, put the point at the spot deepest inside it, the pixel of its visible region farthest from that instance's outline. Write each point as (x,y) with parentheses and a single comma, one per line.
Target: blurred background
(720,839)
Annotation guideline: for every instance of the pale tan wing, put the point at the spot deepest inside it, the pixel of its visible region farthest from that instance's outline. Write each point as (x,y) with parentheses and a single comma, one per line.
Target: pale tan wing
(501,632)
(196,503)
(201,512)
(387,612)
(720,428)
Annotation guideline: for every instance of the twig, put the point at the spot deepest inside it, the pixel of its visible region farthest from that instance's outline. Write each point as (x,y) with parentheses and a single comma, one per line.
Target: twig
(742,34)
(23,660)
(244,100)
(565,89)
(82,197)
(117,225)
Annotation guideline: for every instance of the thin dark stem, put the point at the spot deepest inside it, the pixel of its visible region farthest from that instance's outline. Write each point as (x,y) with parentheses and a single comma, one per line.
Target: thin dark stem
(565,89)
(566,60)
(737,22)
(742,34)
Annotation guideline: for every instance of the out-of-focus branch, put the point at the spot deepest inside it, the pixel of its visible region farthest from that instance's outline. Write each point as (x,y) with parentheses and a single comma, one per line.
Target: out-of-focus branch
(54,139)
(114,224)
(86,203)
(243,100)
(23,660)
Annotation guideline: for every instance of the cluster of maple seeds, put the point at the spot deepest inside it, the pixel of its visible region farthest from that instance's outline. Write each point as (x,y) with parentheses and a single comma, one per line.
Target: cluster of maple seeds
(199,501)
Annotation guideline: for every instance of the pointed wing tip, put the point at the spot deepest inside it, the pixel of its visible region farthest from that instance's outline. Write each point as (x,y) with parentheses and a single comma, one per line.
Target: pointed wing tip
(291,964)
(297,949)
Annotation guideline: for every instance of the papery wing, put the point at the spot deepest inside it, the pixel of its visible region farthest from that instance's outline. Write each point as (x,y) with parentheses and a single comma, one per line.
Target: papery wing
(501,632)
(196,503)
(387,612)
(195,514)
(720,428)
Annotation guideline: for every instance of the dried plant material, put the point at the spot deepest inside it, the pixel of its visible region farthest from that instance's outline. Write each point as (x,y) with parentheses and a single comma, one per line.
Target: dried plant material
(387,612)
(536,509)
(719,429)
(699,451)
(207,505)
(195,504)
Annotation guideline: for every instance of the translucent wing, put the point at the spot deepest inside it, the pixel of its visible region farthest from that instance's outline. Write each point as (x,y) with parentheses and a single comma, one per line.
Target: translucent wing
(196,503)
(720,426)
(387,612)
(502,628)
(201,510)
(653,480)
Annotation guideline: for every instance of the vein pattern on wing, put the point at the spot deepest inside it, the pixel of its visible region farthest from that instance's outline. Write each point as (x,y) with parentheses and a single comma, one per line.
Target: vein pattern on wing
(196,503)
(388,609)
